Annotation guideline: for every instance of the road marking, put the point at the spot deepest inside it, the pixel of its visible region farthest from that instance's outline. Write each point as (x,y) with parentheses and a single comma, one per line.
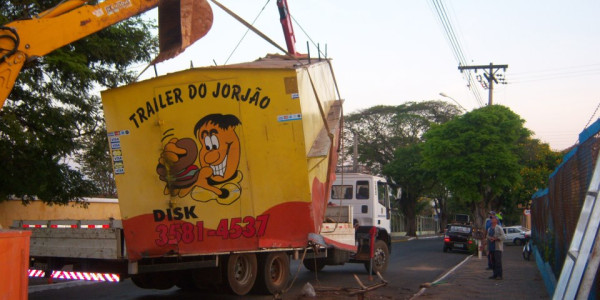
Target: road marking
(442,277)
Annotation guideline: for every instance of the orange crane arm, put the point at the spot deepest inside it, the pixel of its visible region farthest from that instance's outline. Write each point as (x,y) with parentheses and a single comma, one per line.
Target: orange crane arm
(72,20)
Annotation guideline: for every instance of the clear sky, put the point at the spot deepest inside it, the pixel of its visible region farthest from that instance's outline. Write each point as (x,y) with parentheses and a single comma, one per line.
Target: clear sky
(390,52)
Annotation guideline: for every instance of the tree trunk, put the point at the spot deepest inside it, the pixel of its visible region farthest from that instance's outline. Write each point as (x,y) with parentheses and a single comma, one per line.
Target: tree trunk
(411,224)
(442,212)
(480,213)
(409,206)
(443,222)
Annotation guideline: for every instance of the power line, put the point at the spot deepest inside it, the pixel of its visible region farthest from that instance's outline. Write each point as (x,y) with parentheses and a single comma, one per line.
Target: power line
(307,36)
(459,54)
(592,117)
(455,46)
(245,33)
(557,70)
(542,77)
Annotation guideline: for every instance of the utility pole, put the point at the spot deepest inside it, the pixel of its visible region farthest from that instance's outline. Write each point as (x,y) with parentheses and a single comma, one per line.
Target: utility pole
(489,72)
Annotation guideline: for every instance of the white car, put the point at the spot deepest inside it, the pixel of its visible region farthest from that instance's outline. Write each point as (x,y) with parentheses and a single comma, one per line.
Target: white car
(515,234)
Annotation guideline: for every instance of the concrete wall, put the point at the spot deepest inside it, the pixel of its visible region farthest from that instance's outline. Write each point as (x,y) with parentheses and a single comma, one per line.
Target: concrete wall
(98,209)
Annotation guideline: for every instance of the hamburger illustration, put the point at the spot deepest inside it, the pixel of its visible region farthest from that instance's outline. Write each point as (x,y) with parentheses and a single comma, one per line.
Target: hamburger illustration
(179,171)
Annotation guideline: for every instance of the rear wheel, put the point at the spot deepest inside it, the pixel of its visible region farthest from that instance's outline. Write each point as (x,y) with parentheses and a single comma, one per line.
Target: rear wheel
(381,257)
(140,281)
(241,272)
(518,242)
(273,273)
(314,264)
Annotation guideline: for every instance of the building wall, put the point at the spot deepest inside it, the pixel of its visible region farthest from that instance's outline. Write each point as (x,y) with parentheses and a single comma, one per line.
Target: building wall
(98,209)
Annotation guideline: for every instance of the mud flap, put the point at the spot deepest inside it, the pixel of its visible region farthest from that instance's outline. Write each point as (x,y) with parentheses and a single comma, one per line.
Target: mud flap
(180,24)
(327,243)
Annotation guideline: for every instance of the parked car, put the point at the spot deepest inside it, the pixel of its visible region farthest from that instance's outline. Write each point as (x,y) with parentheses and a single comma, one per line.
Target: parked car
(458,237)
(515,234)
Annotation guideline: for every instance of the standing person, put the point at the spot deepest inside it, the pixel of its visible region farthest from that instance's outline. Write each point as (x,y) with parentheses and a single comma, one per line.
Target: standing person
(496,238)
(488,224)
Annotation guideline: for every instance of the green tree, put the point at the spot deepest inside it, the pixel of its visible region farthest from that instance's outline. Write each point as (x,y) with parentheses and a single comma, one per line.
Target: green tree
(477,155)
(95,162)
(54,106)
(537,162)
(382,129)
(441,198)
(406,170)
(388,139)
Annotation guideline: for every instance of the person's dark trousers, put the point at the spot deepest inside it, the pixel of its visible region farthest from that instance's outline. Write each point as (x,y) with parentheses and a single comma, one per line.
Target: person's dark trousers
(497,264)
(489,257)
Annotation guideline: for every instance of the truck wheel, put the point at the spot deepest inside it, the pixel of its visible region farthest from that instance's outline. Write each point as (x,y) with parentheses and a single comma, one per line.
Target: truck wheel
(381,257)
(273,273)
(241,272)
(139,281)
(309,263)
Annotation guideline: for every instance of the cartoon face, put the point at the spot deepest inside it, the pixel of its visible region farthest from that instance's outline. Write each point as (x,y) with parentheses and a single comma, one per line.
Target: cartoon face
(220,147)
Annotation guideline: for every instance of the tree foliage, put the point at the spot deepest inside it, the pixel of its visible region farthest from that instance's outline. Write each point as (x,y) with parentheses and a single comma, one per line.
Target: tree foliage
(54,107)
(406,170)
(388,143)
(383,129)
(477,155)
(537,162)
(95,163)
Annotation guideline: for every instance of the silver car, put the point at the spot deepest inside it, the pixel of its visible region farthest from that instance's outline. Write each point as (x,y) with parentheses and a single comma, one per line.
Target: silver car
(515,234)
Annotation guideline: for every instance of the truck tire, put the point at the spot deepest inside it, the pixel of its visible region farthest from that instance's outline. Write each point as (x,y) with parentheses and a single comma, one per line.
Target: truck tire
(241,272)
(381,257)
(273,273)
(309,263)
(139,281)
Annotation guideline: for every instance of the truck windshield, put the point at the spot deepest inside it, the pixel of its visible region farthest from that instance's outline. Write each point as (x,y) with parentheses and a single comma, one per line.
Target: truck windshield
(341,192)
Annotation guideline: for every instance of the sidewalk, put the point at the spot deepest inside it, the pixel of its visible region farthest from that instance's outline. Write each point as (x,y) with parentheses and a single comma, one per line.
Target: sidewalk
(522,280)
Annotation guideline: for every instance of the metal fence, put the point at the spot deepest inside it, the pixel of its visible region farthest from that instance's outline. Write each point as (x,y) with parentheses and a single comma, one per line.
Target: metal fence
(555,210)
(425,225)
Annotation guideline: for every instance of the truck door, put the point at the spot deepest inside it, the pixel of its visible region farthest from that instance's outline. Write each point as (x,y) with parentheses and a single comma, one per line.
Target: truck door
(382,206)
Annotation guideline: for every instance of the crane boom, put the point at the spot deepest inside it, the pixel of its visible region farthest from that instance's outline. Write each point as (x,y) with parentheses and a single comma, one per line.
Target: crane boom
(72,20)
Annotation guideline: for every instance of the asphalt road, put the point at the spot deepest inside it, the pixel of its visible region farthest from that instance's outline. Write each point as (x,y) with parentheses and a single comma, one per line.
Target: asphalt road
(412,263)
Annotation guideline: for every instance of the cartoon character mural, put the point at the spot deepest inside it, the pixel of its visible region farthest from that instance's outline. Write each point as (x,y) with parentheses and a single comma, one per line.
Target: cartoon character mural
(217,177)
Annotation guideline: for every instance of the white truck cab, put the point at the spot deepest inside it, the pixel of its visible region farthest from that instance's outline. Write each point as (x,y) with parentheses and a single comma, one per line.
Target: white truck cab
(368,195)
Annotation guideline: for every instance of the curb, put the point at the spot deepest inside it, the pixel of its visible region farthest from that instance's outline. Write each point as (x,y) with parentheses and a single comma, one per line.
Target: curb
(442,277)
(403,239)
(429,237)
